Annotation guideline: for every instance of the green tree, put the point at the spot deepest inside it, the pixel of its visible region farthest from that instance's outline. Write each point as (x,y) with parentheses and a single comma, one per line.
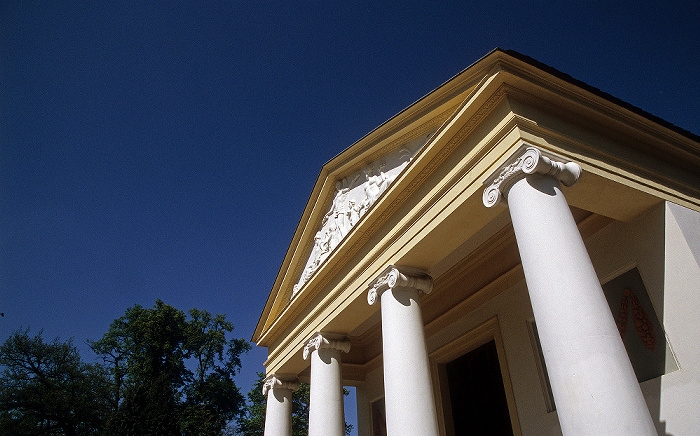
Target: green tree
(252,422)
(114,350)
(171,374)
(45,388)
(212,398)
(149,408)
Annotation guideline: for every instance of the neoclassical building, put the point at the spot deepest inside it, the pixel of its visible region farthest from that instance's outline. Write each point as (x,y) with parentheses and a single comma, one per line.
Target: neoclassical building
(515,253)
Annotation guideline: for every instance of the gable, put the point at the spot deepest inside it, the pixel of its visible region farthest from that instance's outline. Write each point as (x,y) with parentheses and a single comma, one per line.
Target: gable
(365,187)
(385,152)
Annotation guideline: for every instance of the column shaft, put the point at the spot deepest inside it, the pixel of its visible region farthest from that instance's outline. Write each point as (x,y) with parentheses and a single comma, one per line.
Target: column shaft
(595,388)
(409,399)
(326,413)
(278,416)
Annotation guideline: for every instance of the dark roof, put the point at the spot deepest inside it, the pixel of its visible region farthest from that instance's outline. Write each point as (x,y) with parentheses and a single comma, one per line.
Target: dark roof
(599,93)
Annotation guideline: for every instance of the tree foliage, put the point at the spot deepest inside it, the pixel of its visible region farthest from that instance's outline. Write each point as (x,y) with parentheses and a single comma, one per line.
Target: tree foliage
(162,372)
(45,388)
(171,371)
(252,422)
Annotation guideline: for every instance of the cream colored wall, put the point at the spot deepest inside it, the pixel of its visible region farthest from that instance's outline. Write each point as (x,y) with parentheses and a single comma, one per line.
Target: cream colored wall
(638,243)
(664,244)
(680,390)
(513,310)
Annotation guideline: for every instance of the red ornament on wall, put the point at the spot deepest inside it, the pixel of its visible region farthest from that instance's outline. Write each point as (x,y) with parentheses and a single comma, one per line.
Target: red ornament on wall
(642,322)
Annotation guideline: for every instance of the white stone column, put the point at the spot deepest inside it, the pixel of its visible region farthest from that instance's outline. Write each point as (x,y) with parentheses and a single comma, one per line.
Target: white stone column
(278,415)
(594,386)
(326,413)
(408,390)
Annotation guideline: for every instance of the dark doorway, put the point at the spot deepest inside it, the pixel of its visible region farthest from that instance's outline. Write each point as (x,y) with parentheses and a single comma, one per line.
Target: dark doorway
(477,395)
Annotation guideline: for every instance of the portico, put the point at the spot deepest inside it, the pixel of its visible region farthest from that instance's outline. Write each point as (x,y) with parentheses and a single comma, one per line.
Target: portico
(499,202)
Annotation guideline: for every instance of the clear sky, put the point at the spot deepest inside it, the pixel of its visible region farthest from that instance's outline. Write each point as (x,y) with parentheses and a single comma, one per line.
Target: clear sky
(166,149)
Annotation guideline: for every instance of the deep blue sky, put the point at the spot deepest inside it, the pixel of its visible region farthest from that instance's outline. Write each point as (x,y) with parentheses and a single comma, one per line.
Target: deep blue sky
(167,149)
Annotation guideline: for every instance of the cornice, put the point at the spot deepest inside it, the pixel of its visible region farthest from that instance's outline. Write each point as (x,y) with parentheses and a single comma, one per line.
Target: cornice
(541,71)
(618,143)
(561,94)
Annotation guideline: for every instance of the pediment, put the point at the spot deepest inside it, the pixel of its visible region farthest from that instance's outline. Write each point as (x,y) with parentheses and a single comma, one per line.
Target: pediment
(350,185)
(357,190)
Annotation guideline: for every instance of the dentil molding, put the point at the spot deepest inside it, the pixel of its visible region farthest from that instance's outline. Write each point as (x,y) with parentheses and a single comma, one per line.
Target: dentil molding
(326,340)
(399,277)
(272,382)
(525,161)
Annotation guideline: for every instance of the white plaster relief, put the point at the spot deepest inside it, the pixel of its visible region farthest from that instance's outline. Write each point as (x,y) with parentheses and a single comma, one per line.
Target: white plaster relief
(529,161)
(404,277)
(354,195)
(272,382)
(325,340)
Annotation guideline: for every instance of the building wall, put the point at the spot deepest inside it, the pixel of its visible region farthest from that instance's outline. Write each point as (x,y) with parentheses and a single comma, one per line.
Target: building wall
(664,245)
(680,390)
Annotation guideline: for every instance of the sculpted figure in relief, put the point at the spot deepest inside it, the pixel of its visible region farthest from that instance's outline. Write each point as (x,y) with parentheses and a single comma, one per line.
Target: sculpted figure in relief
(348,206)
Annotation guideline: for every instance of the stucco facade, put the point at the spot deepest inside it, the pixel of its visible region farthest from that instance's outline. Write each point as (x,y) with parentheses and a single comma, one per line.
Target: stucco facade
(515,243)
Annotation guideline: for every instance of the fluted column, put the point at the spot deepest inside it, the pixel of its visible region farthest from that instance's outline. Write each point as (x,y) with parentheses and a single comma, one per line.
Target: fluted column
(326,413)
(594,386)
(408,390)
(278,416)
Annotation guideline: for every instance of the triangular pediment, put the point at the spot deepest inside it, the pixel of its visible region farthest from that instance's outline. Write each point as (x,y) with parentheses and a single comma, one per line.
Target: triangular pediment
(362,189)
(351,183)
(344,199)
(352,198)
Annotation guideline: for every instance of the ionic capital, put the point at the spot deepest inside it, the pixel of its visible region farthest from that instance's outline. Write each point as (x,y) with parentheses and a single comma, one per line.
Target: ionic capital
(272,382)
(399,277)
(326,340)
(523,162)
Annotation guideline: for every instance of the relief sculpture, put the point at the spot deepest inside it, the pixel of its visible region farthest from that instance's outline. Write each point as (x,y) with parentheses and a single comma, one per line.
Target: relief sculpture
(354,195)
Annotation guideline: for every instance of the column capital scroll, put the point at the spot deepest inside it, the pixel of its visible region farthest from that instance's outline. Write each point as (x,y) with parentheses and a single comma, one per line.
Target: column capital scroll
(272,381)
(527,160)
(399,277)
(326,340)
